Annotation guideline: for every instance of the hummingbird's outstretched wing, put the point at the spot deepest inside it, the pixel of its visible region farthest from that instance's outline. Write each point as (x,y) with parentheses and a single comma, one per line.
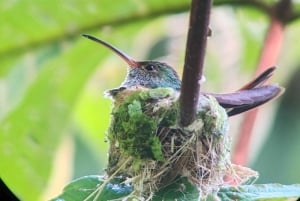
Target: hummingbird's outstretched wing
(249,96)
(243,100)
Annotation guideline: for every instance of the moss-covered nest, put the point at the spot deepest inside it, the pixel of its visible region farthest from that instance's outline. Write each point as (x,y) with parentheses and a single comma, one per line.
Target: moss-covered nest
(150,150)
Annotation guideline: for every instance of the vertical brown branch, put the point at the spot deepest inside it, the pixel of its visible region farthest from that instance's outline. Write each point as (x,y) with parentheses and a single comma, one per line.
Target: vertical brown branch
(194,59)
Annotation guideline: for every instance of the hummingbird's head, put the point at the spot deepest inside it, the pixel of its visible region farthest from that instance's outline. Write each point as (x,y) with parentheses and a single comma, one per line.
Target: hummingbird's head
(149,74)
(152,74)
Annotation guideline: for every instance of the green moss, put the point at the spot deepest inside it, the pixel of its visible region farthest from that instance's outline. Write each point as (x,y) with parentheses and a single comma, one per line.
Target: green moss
(141,113)
(133,129)
(213,116)
(157,93)
(136,164)
(156,149)
(134,108)
(170,117)
(138,136)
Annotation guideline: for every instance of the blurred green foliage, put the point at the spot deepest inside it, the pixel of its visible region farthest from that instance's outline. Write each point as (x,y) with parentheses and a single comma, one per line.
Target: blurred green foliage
(52,80)
(285,136)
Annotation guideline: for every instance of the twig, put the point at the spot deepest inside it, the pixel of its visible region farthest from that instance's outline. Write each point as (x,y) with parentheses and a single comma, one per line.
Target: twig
(269,56)
(194,59)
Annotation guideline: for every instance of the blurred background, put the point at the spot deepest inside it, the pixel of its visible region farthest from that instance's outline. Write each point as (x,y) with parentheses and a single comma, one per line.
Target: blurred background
(54,116)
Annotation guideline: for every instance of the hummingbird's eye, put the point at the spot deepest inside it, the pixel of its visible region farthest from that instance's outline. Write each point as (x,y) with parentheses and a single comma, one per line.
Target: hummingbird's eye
(150,67)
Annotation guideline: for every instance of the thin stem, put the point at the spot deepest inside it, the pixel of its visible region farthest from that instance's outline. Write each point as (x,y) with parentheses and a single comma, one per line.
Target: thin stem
(280,16)
(194,59)
(269,56)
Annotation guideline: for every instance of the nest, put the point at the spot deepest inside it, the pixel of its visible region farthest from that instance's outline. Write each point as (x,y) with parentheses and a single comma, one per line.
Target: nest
(150,150)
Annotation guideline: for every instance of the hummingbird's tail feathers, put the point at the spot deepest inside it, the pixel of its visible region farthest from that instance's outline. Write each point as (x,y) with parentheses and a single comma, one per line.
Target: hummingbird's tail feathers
(244,100)
(250,95)
(259,80)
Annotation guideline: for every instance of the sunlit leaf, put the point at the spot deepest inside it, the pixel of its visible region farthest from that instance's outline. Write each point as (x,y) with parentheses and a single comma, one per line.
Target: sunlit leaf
(43,22)
(30,133)
(261,192)
(89,188)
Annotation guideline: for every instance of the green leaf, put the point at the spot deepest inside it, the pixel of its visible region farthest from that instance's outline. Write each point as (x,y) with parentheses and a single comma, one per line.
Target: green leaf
(45,22)
(91,119)
(279,159)
(87,188)
(30,133)
(180,190)
(260,192)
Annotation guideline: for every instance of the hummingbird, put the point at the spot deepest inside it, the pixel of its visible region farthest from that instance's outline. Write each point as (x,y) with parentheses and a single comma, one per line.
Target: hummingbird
(154,74)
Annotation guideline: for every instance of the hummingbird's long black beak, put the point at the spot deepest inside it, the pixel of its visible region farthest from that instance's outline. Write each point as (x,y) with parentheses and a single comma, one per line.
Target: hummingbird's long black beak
(130,61)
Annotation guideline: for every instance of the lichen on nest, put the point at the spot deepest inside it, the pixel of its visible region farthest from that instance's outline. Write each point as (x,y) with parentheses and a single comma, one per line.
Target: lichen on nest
(149,149)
